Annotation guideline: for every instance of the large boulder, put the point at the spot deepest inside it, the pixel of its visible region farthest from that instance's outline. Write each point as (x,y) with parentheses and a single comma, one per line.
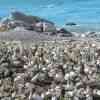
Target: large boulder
(64,33)
(93,34)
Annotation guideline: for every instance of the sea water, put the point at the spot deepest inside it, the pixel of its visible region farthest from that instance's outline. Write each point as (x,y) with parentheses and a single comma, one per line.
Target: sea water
(85,13)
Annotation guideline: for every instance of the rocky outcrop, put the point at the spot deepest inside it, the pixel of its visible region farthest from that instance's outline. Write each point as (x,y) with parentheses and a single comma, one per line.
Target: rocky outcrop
(64,33)
(29,22)
(25,18)
(93,34)
(71,24)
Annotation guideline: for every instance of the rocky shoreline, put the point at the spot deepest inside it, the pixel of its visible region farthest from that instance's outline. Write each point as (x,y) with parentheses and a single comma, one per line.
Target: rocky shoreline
(53,70)
(20,22)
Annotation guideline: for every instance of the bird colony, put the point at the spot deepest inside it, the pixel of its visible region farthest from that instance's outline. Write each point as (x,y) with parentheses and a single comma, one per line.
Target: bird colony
(50,70)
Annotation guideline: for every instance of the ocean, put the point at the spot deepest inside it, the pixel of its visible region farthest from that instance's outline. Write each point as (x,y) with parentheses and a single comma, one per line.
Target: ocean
(85,13)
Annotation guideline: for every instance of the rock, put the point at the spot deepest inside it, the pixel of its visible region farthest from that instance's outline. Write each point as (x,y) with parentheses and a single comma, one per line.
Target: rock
(19,21)
(71,24)
(91,34)
(62,30)
(52,33)
(64,33)
(33,22)
(25,18)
